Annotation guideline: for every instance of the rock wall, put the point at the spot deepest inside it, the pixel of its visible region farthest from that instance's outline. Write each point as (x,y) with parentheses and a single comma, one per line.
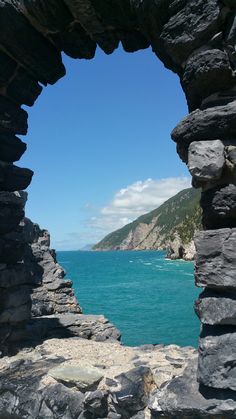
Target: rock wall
(194,38)
(55,310)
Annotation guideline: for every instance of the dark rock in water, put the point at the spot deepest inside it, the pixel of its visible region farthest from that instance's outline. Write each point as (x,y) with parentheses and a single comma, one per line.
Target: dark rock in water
(213,308)
(217,354)
(13,178)
(219,206)
(216,258)
(182,397)
(11,148)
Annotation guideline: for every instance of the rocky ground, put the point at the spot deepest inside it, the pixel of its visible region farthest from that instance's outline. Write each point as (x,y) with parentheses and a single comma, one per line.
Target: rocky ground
(81,379)
(77,378)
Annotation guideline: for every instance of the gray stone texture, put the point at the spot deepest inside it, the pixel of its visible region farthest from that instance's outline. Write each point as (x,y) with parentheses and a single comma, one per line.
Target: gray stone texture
(206,160)
(196,39)
(206,72)
(217,354)
(209,124)
(216,259)
(219,206)
(216,308)
(182,397)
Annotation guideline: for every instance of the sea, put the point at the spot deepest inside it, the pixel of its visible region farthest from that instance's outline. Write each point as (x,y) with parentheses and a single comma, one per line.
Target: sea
(146,296)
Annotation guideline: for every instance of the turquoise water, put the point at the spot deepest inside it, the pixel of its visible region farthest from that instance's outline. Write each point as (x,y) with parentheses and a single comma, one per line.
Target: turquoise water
(150,299)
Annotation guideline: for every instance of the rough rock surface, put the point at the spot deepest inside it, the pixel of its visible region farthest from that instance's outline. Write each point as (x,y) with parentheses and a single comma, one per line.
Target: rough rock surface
(206,160)
(54,293)
(182,397)
(216,367)
(219,206)
(72,377)
(215,258)
(177,250)
(214,308)
(194,38)
(55,309)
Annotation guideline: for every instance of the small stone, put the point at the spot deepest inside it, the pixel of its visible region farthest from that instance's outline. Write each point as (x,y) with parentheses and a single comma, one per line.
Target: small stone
(96,402)
(216,309)
(84,378)
(206,160)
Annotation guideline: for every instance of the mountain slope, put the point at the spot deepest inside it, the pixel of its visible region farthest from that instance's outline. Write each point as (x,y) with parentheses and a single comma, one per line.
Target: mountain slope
(176,219)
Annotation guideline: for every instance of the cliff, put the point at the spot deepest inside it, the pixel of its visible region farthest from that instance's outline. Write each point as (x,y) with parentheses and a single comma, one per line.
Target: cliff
(171,226)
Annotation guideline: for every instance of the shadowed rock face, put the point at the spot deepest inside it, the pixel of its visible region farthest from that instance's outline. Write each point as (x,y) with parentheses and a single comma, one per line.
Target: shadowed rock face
(194,38)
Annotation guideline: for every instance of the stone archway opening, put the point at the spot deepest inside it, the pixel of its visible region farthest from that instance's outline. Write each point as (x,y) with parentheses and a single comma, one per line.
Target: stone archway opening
(195,39)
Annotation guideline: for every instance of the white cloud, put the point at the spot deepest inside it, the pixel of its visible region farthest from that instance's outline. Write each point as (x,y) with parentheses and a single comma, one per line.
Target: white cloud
(135,200)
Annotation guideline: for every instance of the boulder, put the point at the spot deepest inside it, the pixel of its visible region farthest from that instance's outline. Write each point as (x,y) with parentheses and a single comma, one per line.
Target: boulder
(206,72)
(216,308)
(209,124)
(217,354)
(206,160)
(133,389)
(196,23)
(83,378)
(13,178)
(216,259)
(95,402)
(182,397)
(11,148)
(219,206)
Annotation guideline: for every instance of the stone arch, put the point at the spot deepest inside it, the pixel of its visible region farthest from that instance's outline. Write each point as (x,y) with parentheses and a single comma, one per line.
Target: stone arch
(194,38)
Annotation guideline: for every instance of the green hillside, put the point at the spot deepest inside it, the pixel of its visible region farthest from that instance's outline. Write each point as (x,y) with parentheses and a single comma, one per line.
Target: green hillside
(180,214)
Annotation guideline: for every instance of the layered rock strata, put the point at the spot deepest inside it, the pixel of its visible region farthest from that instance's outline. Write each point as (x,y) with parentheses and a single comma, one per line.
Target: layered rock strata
(194,38)
(55,310)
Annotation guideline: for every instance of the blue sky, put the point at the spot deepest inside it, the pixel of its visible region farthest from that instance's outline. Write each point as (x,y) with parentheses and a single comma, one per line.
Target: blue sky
(99,144)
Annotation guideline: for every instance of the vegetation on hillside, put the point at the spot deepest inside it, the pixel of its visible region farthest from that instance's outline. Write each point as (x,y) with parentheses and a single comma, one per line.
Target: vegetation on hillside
(180,214)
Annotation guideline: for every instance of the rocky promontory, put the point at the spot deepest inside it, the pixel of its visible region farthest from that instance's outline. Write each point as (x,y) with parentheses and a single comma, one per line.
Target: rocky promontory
(170,227)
